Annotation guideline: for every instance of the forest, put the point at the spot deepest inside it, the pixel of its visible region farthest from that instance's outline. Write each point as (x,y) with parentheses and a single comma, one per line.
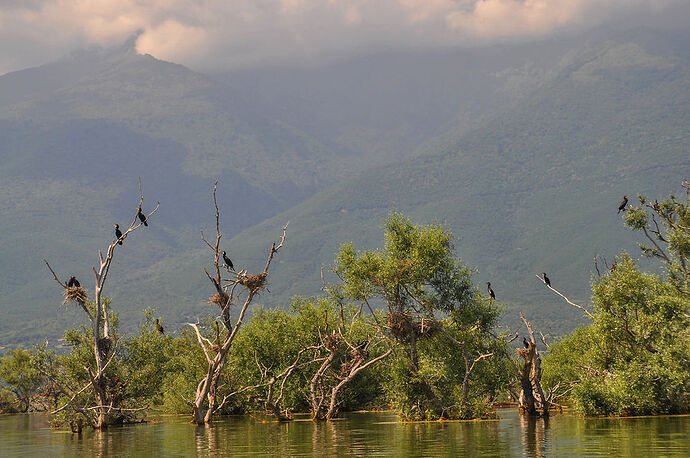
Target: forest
(402,327)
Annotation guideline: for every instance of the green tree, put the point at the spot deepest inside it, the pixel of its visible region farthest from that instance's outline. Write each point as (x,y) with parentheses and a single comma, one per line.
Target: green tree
(20,377)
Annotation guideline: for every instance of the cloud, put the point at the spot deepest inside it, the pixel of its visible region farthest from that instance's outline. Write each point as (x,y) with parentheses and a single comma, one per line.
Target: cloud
(222,34)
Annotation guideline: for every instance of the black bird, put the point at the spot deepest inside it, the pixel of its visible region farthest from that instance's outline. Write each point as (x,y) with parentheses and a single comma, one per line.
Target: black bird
(159,326)
(227,260)
(621,207)
(142,217)
(546,279)
(524,342)
(118,233)
(491,291)
(73,282)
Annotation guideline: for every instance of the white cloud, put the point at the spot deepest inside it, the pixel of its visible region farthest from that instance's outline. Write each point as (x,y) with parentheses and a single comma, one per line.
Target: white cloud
(213,34)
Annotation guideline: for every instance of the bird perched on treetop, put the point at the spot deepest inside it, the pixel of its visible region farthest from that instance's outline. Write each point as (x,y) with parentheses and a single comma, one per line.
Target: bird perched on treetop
(546,279)
(142,217)
(621,207)
(73,282)
(159,326)
(524,342)
(490,291)
(118,233)
(227,260)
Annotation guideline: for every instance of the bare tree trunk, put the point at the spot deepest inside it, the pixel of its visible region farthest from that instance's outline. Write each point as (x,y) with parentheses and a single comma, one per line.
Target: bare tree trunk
(530,377)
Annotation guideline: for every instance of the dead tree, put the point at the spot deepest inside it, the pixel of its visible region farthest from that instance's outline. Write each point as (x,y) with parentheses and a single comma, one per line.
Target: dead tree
(241,288)
(532,398)
(105,411)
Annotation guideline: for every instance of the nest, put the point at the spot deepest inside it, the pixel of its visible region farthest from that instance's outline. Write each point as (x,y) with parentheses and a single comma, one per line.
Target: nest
(426,328)
(104,344)
(346,367)
(254,282)
(359,353)
(218,299)
(400,325)
(76,294)
(332,342)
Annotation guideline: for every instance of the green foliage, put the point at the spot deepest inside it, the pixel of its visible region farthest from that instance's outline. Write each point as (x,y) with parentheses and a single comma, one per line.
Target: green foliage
(20,380)
(634,359)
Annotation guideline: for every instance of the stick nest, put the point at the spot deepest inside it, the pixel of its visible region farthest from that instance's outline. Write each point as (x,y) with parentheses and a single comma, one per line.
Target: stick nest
(332,342)
(219,299)
(400,325)
(76,294)
(254,282)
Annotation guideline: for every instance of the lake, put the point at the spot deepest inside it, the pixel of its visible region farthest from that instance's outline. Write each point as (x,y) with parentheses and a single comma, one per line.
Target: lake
(356,434)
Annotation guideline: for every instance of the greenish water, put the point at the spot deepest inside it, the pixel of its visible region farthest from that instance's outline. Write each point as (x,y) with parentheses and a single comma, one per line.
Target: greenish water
(357,434)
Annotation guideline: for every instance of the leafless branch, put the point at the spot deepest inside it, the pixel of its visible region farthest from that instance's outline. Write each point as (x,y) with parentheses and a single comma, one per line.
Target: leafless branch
(566,299)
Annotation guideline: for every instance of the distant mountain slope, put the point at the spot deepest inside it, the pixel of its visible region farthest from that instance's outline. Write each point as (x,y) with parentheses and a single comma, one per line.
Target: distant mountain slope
(534,189)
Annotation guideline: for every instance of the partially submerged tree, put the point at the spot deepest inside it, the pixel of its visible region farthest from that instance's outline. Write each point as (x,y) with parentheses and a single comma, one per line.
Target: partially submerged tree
(634,359)
(429,301)
(100,409)
(230,293)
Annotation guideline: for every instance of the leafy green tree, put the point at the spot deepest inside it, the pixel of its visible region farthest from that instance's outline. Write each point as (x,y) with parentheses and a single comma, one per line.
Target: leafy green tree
(22,380)
(634,359)
(435,315)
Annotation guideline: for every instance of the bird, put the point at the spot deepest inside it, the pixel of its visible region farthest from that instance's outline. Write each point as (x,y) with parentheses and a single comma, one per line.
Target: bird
(621,207)
(118,233)
(73,282)
(227,260)
(524,342)
(491,291)
(142,217)
(159,326)
(546,279)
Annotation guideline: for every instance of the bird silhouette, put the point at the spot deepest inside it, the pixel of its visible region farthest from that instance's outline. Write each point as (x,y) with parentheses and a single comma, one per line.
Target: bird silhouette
(142,217)
(546,279)
(73,282)
(490,291)
(621,207)
(227,260)
(118,233)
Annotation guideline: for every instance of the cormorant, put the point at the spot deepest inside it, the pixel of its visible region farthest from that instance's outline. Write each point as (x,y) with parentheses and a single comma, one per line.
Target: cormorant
(142,217)
(118,233)
(227,260)
(525,343)
(159,326)
(621,207)
(491,291)
(73,282)
(546,279)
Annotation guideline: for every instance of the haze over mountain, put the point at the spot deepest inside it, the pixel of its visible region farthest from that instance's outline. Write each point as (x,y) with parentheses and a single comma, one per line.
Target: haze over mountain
(522,150)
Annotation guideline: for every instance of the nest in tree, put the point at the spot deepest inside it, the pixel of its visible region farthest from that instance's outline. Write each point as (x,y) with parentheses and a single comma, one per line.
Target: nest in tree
(76,294)
(218,299)
(359,353)
(400,325)
(332,342)
(104,344)
(254,282)
(346,367)
(426,328)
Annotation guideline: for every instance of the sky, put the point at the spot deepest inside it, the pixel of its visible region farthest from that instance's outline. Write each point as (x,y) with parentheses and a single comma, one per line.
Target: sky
(224,35)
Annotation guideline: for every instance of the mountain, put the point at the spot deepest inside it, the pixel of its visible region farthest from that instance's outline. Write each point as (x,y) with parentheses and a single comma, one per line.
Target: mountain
(534,188)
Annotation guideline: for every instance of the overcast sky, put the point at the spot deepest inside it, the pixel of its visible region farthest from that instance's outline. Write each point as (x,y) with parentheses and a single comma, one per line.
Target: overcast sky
(232,34)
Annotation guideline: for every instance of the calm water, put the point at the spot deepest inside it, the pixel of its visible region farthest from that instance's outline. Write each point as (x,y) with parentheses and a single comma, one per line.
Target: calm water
(357,434)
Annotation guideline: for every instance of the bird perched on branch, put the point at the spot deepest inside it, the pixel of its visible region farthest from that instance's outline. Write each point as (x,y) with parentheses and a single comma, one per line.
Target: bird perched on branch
(227,260)
(621,207)
(73,282)
(525,343)
(546,279)
(490,291)
(159,326)
(142,217)
(118,233)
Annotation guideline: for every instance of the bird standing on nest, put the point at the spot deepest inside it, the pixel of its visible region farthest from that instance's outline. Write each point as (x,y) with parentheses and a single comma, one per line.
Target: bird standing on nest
(490,291)
(159,326)
(142,217)
(118,233)
(227,260)
(73,282)
(546,279)
(621,207)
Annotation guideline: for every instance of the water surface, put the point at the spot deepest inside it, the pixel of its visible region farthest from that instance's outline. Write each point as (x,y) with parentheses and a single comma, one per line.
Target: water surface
(356,434)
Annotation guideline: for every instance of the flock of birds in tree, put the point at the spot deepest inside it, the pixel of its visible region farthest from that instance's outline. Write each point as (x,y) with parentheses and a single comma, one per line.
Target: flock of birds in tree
(73,282)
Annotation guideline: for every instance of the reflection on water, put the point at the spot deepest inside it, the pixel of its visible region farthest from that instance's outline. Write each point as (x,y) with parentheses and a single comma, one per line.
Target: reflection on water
(357,434)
